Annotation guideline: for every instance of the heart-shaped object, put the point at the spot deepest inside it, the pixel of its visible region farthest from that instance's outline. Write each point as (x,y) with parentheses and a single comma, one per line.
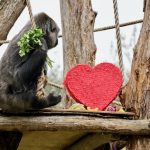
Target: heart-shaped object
(94,87)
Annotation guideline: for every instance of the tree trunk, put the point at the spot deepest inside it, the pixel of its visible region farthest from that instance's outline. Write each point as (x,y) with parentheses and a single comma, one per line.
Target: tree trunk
(9,12)
(138,88)
(77,30)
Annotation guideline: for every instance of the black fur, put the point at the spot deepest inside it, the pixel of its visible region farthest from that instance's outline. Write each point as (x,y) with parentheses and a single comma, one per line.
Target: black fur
(19,75)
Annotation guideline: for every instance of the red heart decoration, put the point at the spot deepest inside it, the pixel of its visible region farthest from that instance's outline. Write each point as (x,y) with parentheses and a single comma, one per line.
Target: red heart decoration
(94,87)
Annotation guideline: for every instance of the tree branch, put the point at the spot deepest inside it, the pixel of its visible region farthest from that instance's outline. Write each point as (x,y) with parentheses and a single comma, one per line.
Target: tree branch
(9,12)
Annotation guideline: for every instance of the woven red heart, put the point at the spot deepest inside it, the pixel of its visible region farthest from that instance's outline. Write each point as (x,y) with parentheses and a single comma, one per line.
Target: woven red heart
(94,87)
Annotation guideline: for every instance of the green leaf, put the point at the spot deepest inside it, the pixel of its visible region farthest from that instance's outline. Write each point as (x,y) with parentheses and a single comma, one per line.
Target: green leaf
(49,62)
(30,41)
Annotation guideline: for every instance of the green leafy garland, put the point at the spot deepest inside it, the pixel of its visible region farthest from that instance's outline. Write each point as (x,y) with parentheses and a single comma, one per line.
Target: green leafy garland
(30,41)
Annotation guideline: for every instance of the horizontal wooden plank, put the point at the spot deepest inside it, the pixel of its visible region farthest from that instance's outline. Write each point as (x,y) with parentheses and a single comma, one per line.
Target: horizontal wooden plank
(48,112)
(91,112)
(75,123)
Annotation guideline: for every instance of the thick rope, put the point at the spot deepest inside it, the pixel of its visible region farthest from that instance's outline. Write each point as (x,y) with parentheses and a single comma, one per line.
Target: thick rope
(121,25)
(30,13)
(55,85)
(42,79)
(118,36)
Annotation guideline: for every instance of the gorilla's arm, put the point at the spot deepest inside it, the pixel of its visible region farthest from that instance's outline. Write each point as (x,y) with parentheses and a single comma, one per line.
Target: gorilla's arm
(31,68)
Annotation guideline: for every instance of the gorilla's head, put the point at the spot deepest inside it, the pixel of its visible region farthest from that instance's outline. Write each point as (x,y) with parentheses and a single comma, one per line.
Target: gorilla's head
(49,28)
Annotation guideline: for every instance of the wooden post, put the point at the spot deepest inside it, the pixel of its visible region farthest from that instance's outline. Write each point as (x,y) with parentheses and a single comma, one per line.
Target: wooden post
(137,93)
(77,30)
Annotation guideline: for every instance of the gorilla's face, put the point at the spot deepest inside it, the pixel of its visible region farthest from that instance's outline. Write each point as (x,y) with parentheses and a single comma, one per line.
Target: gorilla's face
(53,34)
(50,29)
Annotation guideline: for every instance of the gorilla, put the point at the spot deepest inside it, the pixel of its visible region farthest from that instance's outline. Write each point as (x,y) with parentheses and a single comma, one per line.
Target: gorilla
(19,75)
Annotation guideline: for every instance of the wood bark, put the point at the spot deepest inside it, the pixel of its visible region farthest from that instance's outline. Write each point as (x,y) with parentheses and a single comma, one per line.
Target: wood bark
(138,88)
(75,123)
(77,30)
(9,12)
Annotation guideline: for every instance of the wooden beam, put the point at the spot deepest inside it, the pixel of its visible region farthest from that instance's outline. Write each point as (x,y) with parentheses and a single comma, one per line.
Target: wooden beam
(74,123)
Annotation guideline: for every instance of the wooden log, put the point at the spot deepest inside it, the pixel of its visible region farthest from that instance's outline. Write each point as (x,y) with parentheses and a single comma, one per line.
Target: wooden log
(74,123)
(9,12)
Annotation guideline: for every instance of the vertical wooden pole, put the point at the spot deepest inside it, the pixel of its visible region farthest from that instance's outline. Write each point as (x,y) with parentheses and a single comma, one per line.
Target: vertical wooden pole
(138,88)
(78,20)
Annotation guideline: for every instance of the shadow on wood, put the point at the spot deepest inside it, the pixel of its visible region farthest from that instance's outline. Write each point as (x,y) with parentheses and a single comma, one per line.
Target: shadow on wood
(9,140)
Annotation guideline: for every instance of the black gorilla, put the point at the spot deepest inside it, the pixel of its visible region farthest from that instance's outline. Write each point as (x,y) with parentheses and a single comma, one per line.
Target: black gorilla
(19,75)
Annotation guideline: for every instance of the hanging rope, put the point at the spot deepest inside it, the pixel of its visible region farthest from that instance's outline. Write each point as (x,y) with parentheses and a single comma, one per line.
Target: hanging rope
(118,36)
(42,81)
(30,13)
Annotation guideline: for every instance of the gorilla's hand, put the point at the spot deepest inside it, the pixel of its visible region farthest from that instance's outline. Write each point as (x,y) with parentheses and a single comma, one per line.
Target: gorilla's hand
(53,100)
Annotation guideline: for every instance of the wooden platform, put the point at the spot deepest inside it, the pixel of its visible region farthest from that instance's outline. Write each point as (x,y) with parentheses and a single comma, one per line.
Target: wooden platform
(67,129)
